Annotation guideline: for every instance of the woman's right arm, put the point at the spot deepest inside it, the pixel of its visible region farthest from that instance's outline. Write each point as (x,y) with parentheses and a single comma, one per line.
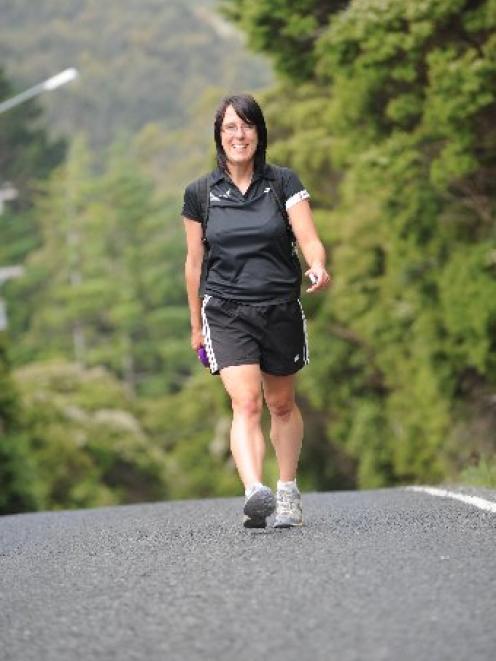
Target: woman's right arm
(192,272)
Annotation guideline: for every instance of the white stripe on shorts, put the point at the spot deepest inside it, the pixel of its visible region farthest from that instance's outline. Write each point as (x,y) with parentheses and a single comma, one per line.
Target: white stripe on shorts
(306,354)
(207,338)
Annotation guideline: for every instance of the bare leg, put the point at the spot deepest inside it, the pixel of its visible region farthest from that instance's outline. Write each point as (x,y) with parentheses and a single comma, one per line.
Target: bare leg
(243,384)
(286,431)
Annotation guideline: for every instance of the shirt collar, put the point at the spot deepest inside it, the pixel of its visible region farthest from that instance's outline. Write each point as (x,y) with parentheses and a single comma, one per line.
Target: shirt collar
(218,174)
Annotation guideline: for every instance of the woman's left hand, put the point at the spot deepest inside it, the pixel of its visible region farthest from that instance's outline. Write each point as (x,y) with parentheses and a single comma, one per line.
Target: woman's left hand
(320,278)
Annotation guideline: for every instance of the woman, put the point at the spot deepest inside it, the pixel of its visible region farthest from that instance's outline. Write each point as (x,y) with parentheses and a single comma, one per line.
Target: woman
(249,317)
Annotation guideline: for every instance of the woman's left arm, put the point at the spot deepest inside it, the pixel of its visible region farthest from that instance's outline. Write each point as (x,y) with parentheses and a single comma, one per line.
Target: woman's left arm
(302,223)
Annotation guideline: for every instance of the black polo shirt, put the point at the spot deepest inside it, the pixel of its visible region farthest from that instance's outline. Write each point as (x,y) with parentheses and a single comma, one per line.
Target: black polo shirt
(250,256)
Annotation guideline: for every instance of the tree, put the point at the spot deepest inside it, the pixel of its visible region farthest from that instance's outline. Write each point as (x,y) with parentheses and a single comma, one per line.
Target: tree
(404,113)
(106,285)
(86,440)
(27,154)
(288,30)
(18,487)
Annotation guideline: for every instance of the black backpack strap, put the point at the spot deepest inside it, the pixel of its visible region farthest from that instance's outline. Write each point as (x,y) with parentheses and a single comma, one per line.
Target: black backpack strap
(202,190)
(278,190)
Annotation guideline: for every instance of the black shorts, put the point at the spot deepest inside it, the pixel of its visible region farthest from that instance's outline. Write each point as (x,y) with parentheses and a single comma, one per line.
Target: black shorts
(273,336)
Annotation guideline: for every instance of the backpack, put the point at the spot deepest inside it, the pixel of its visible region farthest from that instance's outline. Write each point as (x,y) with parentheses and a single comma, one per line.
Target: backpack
(202,191)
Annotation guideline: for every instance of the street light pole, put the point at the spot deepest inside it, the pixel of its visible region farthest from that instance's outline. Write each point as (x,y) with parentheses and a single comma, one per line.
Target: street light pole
(48,85)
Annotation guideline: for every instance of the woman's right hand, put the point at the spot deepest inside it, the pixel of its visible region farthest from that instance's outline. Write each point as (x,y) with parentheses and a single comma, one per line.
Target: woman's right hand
(196,339)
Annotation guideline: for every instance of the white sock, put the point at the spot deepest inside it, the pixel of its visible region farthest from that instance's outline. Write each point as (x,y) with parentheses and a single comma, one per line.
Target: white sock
(251,488)
(287,485)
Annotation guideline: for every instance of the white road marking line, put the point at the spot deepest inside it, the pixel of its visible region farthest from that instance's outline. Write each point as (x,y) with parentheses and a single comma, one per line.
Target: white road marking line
(481,503)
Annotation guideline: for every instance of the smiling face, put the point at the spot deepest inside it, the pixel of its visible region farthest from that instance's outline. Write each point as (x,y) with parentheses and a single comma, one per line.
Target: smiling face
(239,139)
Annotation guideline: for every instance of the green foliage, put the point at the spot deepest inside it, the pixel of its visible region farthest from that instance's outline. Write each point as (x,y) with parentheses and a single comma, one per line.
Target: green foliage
(106,287)
(87,443)
(397,139)
(26,152)
(386,110)
(286,29)
(27,155)
(481,475)
(194,425)
(17,489)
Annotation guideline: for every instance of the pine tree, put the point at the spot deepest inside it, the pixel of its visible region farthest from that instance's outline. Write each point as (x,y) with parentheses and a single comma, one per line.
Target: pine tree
(402,128)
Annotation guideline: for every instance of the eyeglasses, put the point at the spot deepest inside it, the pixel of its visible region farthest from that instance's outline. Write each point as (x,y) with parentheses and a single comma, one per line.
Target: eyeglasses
(232,129)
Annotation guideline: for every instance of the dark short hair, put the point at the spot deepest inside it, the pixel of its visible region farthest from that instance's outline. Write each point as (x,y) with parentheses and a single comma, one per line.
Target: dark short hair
(251,113)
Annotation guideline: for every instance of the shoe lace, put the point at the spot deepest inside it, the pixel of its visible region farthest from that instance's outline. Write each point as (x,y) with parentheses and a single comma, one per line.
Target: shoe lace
(287,502)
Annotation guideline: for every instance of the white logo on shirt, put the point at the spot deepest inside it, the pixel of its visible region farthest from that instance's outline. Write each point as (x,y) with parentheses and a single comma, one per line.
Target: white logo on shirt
(267,190)
(214,198)
(227,193)
(297,357)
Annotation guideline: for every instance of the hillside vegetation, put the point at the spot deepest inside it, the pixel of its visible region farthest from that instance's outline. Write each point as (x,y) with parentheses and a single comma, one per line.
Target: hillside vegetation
(387,111)
(140,61)
(393,125)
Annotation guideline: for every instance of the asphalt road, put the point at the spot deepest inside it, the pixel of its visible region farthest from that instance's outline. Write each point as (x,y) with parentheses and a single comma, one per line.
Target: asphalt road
(379,575)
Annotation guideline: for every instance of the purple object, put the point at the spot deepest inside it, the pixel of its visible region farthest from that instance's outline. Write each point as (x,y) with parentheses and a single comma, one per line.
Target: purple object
(202,356)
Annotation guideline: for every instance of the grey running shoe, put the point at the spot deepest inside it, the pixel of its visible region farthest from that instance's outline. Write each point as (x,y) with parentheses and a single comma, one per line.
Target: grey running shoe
(289,512)
(258,506)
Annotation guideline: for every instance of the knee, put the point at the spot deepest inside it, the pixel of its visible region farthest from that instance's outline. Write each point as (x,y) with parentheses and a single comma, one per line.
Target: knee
(281,407)
(248,405)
